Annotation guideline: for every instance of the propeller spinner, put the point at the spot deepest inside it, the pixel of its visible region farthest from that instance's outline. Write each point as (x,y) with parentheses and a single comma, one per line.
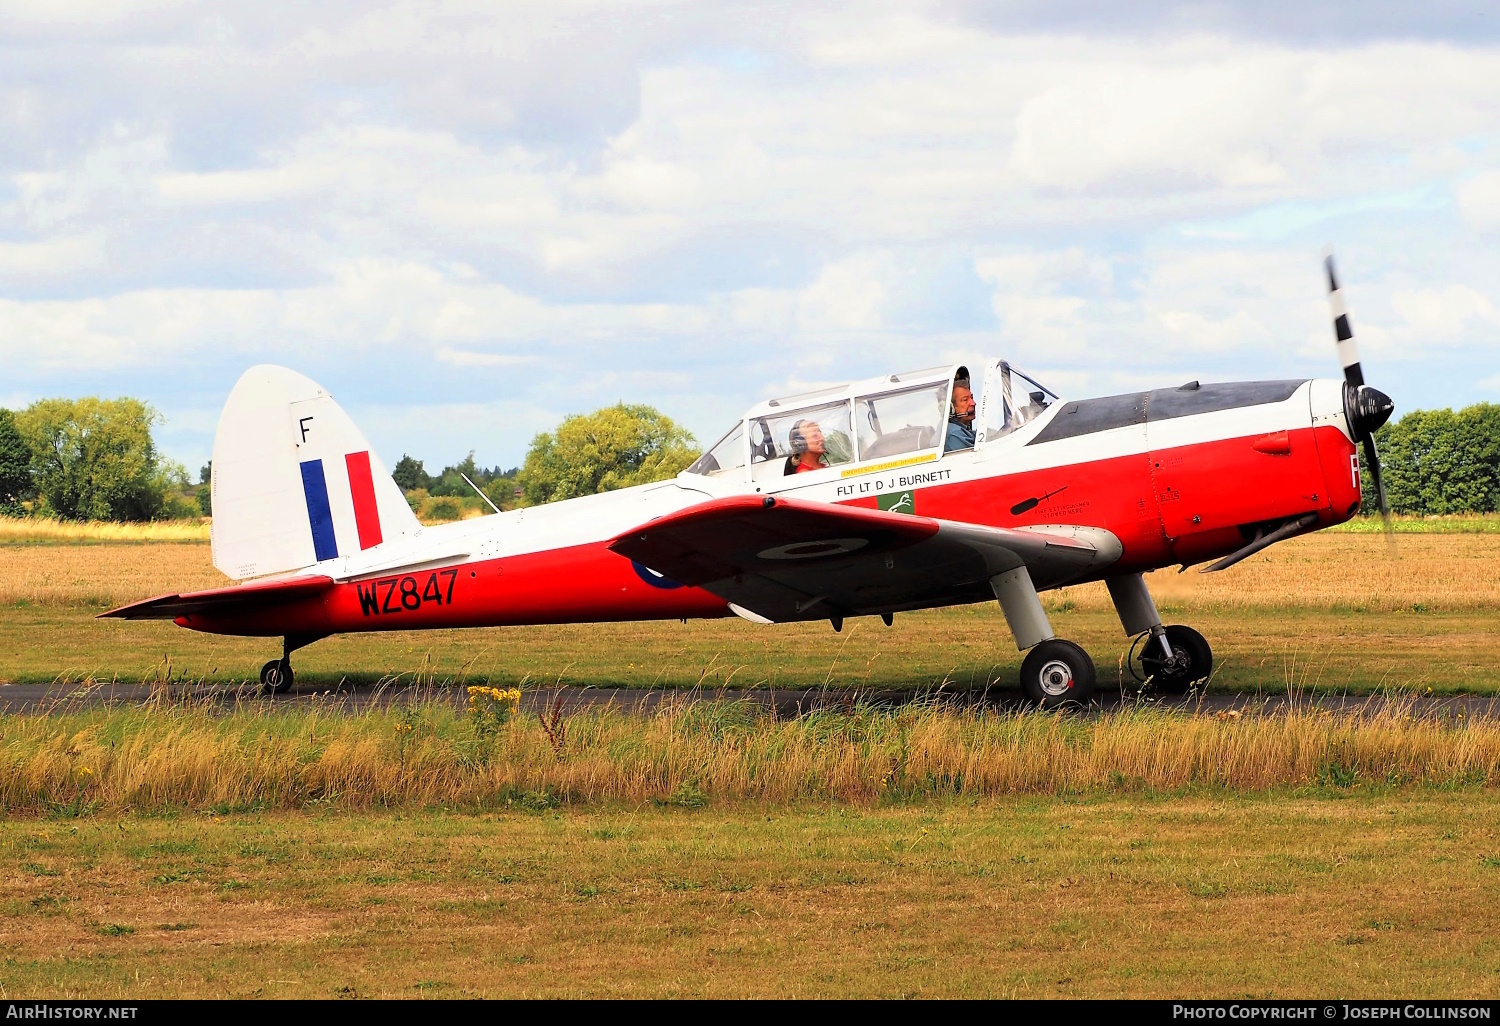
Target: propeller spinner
(1365,408)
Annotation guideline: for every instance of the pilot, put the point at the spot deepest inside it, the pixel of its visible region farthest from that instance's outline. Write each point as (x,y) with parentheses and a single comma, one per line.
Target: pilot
(961,418)
(809,448)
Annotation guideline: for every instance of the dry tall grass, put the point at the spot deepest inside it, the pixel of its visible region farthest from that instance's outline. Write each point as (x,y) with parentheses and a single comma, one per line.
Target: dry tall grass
(694,752)
(30,531)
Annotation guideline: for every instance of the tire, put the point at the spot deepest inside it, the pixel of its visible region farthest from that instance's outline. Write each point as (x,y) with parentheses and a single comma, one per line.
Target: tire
(276,676)
(1057,673)
(1196,661)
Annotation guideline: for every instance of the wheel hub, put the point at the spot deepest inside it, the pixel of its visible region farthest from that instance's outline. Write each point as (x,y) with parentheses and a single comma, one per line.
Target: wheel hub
(1056,678)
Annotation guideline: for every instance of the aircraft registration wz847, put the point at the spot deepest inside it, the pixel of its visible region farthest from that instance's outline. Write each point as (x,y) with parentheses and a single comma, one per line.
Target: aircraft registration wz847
(823,506)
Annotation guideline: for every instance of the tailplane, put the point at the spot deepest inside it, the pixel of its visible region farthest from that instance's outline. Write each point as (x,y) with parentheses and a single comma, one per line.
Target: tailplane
(295,483)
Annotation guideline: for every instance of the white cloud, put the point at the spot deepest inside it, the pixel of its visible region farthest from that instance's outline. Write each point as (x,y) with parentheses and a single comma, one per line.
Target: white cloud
(57,255)
(1444,314)
(1479,199)
(693,201)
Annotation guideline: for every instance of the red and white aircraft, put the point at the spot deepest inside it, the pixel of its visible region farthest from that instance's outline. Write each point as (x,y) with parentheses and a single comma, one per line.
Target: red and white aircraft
(1051,493)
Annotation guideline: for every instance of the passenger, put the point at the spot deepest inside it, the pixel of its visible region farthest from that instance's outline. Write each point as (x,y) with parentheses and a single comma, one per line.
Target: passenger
(961,419)
(809,448)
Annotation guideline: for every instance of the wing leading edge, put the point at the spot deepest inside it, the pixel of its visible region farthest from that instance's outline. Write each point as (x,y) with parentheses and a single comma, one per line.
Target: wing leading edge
(794,559)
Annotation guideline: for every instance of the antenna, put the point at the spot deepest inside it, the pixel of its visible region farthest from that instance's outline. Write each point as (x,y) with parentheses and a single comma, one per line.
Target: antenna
(474,486)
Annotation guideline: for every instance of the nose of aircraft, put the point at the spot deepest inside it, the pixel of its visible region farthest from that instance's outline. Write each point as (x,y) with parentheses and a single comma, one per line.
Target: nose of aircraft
(1368,409)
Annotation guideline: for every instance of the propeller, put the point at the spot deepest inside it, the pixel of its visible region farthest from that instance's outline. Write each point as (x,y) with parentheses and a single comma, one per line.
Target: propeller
(1365,408)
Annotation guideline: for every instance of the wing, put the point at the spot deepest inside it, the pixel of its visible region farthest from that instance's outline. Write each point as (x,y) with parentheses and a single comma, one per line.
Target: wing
(792,559)
(240,598)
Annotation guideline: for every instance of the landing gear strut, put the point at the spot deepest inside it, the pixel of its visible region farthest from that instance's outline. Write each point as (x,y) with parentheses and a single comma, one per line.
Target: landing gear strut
(1055,672)
(1172,659)
(276,677)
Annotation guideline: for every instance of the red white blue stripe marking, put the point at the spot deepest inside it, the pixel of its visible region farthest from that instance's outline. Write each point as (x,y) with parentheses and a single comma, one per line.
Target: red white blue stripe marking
(320,511)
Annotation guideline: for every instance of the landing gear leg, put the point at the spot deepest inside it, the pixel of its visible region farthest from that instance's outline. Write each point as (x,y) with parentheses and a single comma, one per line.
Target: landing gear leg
(276,676)
(1174,658)
(1055,672)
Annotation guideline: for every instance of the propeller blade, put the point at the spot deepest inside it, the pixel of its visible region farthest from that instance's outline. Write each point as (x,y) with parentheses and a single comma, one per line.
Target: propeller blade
(1343,332)
(1372,460)
(1365,408)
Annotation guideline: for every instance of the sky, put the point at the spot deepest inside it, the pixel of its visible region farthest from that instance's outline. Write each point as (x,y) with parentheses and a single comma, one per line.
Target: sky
(470,220)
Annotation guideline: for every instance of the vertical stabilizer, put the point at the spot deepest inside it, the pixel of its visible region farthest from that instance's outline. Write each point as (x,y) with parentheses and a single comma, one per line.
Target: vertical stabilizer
(295,482)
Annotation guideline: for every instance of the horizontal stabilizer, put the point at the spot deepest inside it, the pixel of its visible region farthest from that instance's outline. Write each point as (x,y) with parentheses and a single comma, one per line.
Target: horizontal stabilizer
(407,562)
(238,598)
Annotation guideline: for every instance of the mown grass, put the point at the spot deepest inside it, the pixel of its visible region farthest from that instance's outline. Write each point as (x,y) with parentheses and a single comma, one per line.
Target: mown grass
(1369,895)
(1457,523)
(1329,612)
(160,756)
(1340,572)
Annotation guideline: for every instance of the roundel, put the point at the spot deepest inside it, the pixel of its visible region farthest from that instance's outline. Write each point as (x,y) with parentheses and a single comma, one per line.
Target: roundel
(653,578)
(814,549)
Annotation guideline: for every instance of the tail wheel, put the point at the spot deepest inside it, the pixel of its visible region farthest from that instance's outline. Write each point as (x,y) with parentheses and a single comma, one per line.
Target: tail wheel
(276,676)
(1057,673)
(1193,661)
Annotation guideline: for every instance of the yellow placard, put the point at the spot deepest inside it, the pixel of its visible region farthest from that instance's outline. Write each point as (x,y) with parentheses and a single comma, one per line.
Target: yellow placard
(892,465)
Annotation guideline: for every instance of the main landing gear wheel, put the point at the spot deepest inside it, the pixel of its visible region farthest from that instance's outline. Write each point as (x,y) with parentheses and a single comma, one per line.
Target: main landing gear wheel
(1192,663)
(276,676)
(1057,673)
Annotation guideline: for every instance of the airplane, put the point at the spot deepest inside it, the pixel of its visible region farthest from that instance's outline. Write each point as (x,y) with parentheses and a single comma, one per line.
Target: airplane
(834,503)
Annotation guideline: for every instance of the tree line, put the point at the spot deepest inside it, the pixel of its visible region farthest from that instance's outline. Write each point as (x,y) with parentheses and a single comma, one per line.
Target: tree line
(95,459)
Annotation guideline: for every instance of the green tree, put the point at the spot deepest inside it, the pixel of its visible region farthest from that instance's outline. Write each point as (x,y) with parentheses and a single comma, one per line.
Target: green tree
(501,488)
(205,494)
(615,447)
(15,465)
(93,459)
(1441,461)
(410,475)
(451,483)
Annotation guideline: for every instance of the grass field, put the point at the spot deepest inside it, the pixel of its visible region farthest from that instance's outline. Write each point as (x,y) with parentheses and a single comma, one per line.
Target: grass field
(711,850)
(1331,611)
(1218,896)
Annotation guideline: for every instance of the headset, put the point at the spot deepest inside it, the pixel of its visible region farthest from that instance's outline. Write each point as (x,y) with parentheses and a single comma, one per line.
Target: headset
(796,439)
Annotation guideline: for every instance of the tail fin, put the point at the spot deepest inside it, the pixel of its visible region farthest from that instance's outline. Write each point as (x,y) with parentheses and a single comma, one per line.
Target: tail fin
(294,481)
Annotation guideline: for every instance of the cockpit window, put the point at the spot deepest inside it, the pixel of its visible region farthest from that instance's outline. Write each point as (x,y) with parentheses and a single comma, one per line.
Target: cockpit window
(727,454)
(908,420)
(791,437)
(1011,399)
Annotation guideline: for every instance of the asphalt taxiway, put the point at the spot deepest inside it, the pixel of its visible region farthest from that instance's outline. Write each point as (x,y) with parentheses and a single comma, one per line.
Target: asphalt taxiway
(58,698)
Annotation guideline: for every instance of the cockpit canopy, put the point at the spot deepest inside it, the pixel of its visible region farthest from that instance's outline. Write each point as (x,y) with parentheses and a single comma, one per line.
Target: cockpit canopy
(872,422)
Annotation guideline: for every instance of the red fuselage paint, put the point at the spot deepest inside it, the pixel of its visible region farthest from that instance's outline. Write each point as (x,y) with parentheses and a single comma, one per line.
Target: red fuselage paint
(1183,504)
